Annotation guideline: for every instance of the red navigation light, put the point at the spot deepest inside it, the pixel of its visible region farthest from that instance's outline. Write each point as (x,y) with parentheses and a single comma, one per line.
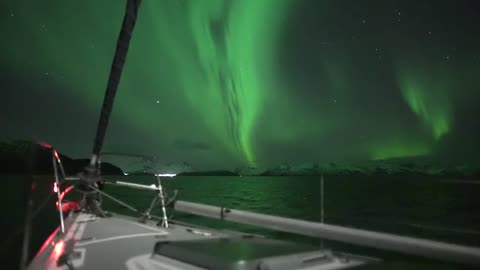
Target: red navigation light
(68,206)
(55,187)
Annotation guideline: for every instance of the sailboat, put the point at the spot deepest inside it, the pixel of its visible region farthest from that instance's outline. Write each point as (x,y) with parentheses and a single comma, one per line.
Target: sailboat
(89,237)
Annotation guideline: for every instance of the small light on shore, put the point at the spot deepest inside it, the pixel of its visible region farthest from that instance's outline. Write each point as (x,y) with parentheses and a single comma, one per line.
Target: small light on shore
(166,174)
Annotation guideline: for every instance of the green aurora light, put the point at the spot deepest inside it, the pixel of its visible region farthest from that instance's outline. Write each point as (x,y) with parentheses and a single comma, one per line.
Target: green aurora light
(427,95)
(246,82)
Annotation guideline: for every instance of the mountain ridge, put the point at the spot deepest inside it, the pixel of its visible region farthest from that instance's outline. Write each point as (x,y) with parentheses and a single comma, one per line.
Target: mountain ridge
(23,156)
(27,157)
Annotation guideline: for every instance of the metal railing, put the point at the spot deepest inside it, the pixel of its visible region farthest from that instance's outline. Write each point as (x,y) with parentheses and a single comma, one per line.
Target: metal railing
(55,159)
(391,242)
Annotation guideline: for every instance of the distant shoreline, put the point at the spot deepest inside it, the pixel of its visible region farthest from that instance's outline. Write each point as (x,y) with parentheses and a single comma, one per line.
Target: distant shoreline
(30,158)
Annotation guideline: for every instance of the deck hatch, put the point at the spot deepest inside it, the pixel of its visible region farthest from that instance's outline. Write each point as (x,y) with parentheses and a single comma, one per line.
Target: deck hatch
(229,253)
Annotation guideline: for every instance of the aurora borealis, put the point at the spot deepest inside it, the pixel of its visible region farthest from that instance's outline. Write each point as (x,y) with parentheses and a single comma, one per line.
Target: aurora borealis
(224,83)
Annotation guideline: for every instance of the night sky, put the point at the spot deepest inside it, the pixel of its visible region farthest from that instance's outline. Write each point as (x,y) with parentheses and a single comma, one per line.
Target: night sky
(248,82)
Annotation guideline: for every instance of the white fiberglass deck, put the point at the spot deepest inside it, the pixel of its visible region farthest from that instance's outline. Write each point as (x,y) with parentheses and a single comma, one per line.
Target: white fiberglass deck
(121,242)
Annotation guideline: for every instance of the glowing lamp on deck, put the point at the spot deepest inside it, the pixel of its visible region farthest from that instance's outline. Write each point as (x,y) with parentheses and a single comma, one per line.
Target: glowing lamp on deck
(55,187)
(58,250)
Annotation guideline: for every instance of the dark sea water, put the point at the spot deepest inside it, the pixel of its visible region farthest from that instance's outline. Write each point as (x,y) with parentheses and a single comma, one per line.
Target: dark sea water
(429,208)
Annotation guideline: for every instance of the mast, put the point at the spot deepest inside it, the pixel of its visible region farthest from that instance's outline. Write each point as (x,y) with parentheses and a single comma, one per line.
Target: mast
(118,63)
(116,69)
(90,181)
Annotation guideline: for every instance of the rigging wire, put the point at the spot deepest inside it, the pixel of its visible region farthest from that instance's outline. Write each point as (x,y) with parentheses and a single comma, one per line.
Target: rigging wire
(114,199)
